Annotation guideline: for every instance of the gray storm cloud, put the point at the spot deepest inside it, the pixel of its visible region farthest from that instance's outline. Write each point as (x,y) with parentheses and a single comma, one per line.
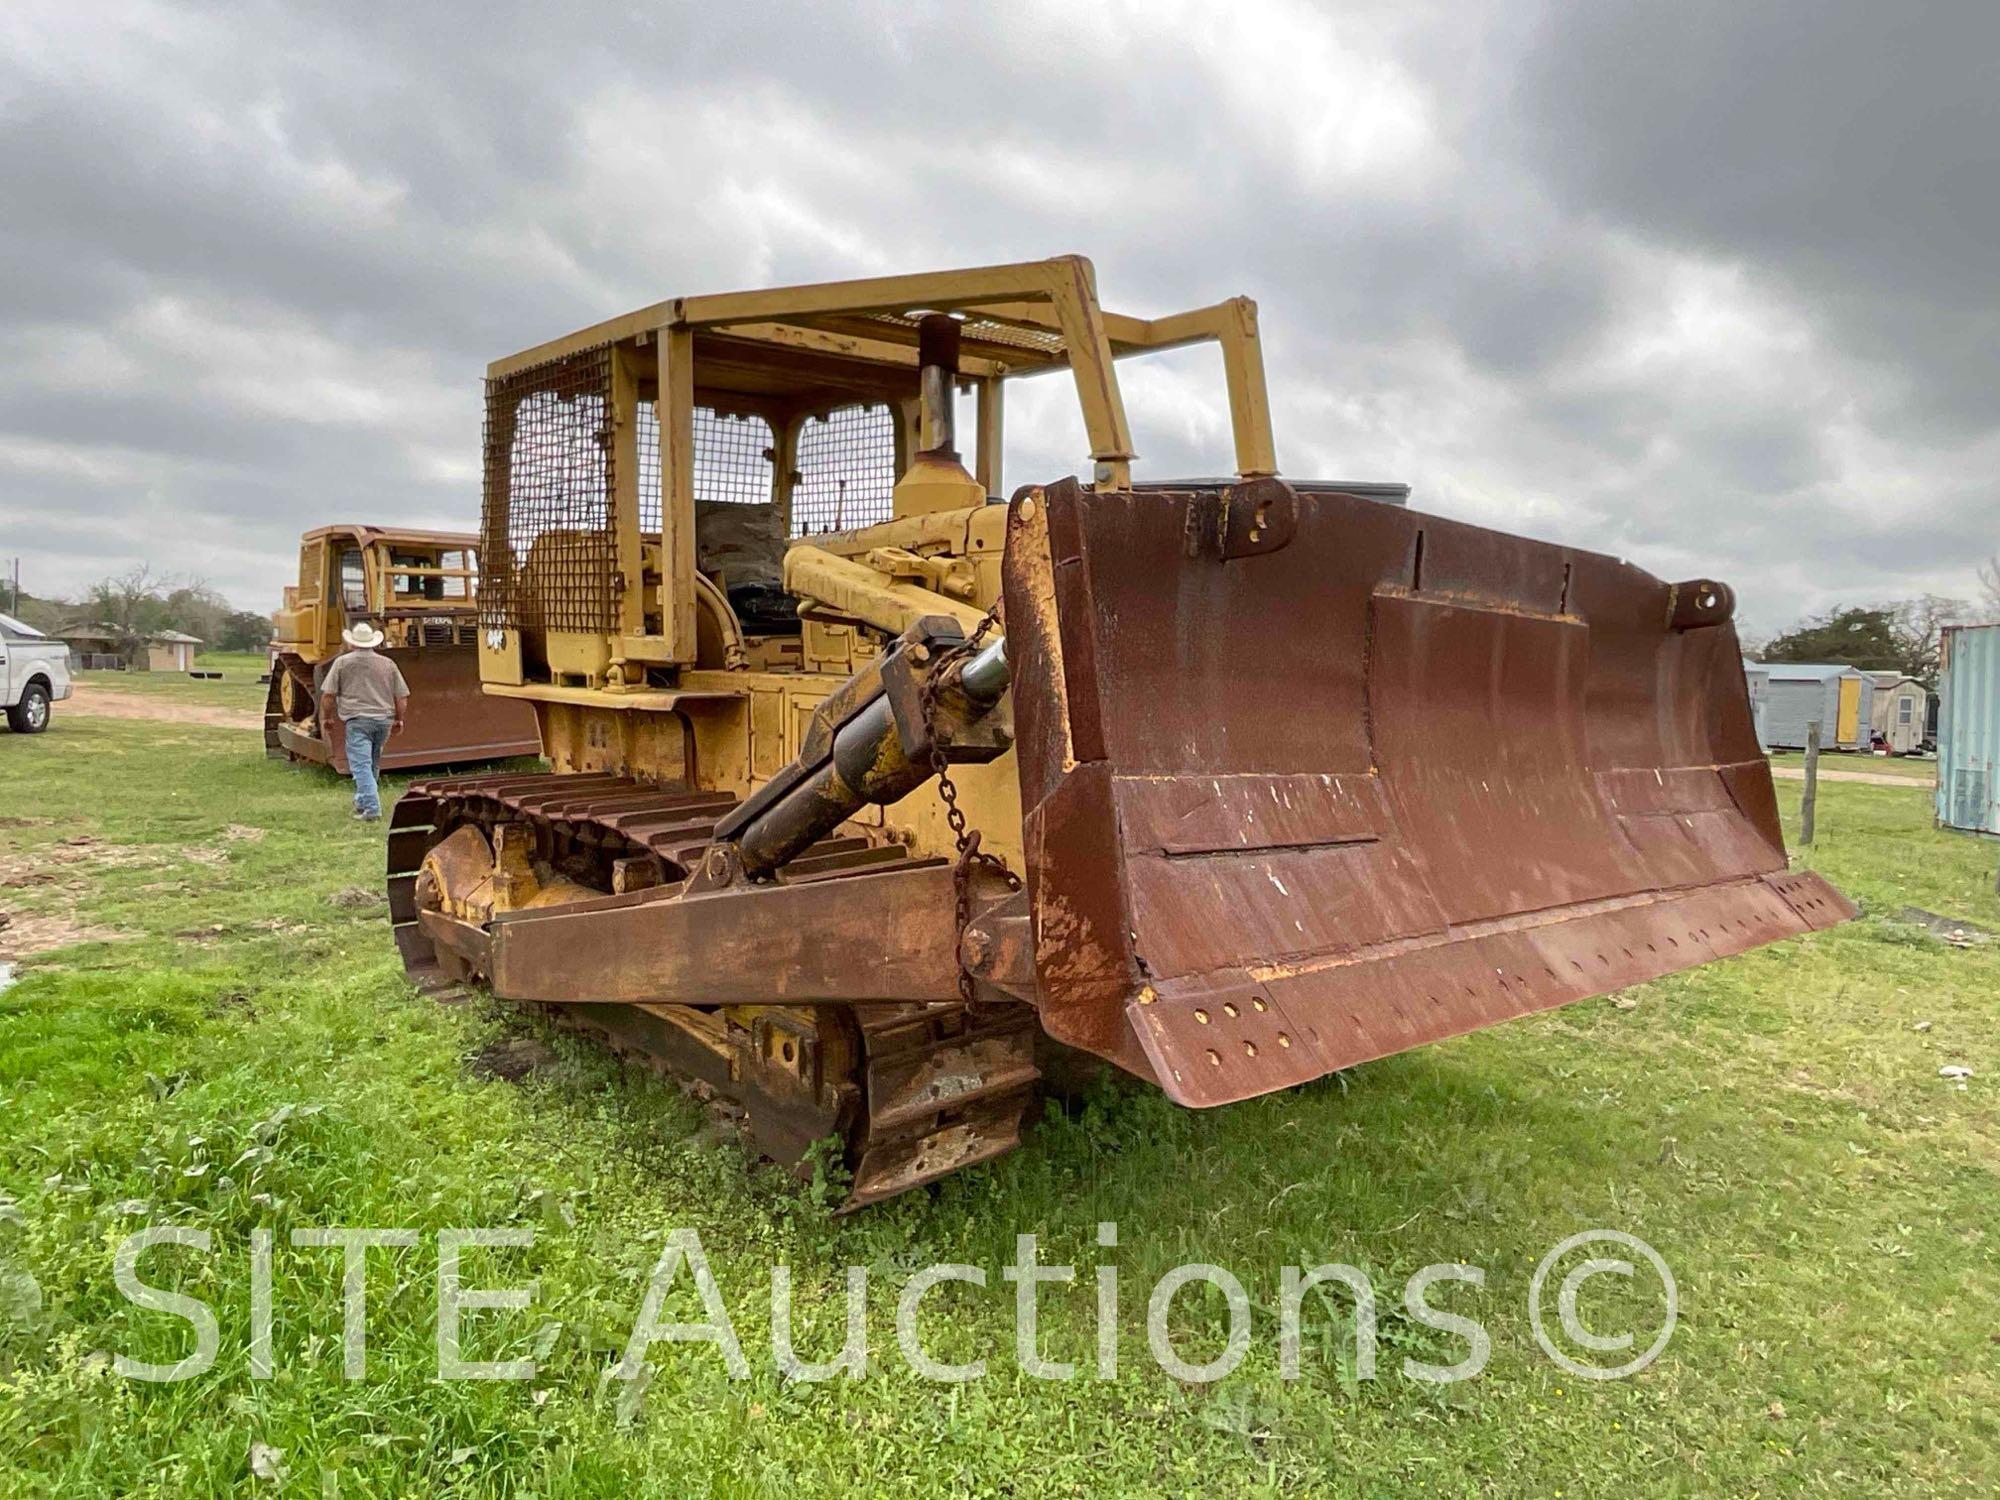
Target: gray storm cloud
(1708,286)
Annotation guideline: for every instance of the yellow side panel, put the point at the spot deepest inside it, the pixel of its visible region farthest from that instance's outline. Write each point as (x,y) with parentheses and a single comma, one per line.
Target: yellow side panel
(802,712)
(1849,728)
(577,653)
(577,739)
(768,750)
(502,663)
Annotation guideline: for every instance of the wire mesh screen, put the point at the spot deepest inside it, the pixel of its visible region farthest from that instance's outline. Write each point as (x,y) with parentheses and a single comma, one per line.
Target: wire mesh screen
(732,460)
(649,467)
(847,470)
(545,528)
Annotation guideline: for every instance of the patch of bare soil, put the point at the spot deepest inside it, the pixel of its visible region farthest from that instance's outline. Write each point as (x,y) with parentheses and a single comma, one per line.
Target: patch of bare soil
(61,869)
(23,934)
(67,861)
(1866,778)
(511,1058)
(1953,930)
(356,898)
(216,931)
(242,833)
(108,703)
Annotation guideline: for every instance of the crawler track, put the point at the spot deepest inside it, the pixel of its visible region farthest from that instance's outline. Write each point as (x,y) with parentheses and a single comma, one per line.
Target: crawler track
(914,1091)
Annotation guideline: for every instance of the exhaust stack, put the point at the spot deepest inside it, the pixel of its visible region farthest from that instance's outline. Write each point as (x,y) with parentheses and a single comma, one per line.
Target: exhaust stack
(935,479)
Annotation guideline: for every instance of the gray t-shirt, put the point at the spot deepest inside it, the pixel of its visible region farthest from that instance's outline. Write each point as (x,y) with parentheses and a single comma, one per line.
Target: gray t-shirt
(365,685)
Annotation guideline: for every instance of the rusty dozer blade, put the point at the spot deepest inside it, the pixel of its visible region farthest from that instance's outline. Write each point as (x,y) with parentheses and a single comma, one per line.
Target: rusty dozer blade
(450,720)
(1309,780)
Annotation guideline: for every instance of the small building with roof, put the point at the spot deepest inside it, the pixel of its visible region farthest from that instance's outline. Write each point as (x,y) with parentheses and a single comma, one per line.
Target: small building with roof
(1900,716)
(1839,697)
(99,646)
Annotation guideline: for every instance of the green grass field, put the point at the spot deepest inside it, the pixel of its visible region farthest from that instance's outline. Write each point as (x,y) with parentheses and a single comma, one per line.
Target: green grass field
(239,687)
(230,1046)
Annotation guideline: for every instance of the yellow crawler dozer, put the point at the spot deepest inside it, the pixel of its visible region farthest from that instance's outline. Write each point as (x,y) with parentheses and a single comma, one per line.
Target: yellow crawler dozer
(872,793)
(421,589)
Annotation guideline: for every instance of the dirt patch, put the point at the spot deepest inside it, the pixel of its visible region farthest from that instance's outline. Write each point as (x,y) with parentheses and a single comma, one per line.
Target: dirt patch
(107,703)
(236,1002)
(243,833)
(20,875)
(1953,930)
(67,861)
(216,931)
(63,869)
(24,934)
(356,898)
(201,854)
(1867,778)
(511,1059)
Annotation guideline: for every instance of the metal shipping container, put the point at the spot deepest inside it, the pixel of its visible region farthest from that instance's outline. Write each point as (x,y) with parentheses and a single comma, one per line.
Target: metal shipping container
(1757,678)
(1968,734)
(1837,695)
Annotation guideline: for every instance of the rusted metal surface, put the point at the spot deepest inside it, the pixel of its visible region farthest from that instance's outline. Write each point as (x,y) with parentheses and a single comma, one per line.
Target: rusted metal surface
(998,946)
(1389,780)
(1309,780)
(947,1087)
(883,934)
(723,987)
(449,722)
(917,1091)
(465,941)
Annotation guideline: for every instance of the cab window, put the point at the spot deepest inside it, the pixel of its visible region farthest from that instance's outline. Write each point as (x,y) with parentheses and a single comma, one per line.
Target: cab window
(353,581)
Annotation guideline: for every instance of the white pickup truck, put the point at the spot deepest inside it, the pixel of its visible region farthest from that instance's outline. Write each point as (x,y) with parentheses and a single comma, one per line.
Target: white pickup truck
(34,672)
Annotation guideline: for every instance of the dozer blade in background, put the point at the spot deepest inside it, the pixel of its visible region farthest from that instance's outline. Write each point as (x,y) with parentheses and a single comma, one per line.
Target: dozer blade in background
(274,713)
(450,721)
(1311,780)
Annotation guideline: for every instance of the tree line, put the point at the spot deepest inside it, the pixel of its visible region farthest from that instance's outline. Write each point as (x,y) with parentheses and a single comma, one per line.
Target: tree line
(138,603)
(1900,637)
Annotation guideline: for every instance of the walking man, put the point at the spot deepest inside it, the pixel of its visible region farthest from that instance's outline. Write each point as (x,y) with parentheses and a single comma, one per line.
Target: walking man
(365,691)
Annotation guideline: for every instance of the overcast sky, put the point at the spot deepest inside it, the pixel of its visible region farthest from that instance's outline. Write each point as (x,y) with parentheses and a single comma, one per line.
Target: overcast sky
(1715,287)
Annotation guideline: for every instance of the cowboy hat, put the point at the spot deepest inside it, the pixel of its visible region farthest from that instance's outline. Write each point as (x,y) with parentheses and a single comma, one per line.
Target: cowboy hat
(363,636)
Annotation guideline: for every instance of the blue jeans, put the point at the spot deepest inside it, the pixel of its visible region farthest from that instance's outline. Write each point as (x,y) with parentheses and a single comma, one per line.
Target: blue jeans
(365,739)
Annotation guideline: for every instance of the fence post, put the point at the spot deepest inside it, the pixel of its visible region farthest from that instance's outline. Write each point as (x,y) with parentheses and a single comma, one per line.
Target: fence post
(1808,804)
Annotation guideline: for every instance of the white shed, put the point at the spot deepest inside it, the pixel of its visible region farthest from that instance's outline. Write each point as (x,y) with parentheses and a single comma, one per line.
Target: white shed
(171,651)
(1900,708)
(1840,697)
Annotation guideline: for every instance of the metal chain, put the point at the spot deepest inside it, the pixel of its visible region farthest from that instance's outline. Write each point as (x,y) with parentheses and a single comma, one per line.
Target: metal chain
(966,841)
